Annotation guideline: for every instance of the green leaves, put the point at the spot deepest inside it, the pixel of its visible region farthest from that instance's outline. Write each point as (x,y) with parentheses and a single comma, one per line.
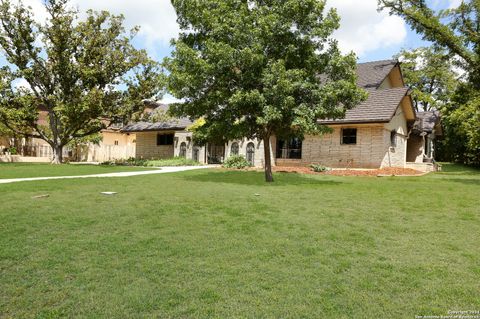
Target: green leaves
(253,68)
(85,74)
(457,32)
(429,74)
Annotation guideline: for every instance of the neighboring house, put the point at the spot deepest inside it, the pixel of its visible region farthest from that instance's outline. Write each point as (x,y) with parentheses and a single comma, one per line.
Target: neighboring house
(114,145)
(374,134)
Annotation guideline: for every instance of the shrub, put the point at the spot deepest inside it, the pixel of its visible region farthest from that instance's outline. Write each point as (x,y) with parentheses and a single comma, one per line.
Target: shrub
(237,162)
(319,168)
(13,150)
(126,162)
(175,161)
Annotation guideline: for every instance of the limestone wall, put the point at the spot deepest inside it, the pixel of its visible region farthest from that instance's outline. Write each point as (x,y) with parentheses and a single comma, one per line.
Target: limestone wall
(415,149)
(396,155)
(373,149)
(259,156)
(329,151)
(192,149)
(147,148)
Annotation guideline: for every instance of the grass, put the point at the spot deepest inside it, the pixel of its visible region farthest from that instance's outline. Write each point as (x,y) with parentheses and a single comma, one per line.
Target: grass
(176,161)
(25,170)
(210,243)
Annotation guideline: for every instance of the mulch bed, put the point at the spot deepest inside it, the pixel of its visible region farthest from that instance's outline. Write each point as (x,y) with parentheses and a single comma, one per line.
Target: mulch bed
(391,171)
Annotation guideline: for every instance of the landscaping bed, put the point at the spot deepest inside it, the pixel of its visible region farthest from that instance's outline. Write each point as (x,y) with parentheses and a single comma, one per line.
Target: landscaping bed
(395,171)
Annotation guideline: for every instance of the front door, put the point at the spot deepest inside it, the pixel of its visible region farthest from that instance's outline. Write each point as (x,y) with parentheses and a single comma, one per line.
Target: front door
(216,153)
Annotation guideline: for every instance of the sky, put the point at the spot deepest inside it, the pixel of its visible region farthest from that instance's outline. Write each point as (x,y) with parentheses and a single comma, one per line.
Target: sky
(372,35)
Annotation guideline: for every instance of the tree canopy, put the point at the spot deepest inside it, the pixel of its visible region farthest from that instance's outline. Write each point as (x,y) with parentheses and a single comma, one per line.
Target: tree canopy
(456,30)
(251,69)
(83,74)
(430,75)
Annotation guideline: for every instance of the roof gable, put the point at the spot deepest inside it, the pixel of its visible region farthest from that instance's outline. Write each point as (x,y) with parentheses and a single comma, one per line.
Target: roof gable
(372,74)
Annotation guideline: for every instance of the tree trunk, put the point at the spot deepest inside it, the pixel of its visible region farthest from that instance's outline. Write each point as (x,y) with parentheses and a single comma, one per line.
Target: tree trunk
(268,159)
(57,154)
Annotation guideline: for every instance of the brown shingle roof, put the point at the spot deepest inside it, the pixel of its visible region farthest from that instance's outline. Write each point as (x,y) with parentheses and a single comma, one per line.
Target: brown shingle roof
(371,74)
(426,121)
(177,124)
(180,124)
(379,107)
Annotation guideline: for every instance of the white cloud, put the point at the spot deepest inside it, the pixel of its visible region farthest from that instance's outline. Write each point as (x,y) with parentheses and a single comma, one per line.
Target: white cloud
(363,29)
(37,7)
(21,84)
(169,99)
(156,18)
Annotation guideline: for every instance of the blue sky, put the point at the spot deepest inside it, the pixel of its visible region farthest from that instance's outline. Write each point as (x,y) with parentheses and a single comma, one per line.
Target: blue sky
(372,35)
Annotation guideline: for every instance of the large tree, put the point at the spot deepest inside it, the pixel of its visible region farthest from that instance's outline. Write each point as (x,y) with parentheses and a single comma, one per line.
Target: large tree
(430,75)
(251,69)
(84,74)
(456,30)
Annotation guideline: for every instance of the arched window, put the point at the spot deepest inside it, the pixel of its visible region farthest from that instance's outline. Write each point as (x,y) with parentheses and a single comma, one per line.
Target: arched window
(196,154)
(234,150)
(251,153)
(183,150)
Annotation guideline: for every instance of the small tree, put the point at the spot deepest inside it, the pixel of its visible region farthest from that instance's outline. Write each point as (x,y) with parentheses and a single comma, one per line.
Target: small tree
(84,74)
(257,68)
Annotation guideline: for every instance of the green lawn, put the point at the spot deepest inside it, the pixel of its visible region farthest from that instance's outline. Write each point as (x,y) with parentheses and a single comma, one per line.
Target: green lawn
(25,170)
(210,243)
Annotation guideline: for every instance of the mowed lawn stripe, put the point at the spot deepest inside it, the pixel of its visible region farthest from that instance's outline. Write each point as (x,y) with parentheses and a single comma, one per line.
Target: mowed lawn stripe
(27,170)
(224,244)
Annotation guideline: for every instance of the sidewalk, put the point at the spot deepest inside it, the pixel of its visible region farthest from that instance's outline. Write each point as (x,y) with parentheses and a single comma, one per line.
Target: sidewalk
(159,170)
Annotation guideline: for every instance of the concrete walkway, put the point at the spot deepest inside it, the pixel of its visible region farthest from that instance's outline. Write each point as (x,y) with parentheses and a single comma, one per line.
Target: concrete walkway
(159,170)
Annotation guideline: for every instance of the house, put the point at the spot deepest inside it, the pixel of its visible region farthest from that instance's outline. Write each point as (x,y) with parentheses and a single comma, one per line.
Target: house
(114,145)
(383,131)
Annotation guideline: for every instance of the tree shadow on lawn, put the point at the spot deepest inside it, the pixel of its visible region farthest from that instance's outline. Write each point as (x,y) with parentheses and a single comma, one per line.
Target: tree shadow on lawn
(466,181)
(257,178)
(458,169)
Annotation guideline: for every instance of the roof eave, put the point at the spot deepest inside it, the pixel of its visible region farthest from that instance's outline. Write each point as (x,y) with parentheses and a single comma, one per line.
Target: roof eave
(340,122)
(154,130)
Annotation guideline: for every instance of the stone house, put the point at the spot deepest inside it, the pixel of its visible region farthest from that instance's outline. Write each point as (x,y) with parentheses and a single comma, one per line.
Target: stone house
(383,131)
(114,145)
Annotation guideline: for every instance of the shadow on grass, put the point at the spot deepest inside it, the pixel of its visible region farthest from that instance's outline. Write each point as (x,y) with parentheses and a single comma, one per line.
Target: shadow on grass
(257,178)
(466,181)
(458,169)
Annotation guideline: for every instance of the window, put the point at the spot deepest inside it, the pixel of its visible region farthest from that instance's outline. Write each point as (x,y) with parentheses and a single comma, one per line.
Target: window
(183,150)
(349,136)
(164,139)
(234,150)
(393,138)
(116,142)
(196,154)
(289,149)
(251,153)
